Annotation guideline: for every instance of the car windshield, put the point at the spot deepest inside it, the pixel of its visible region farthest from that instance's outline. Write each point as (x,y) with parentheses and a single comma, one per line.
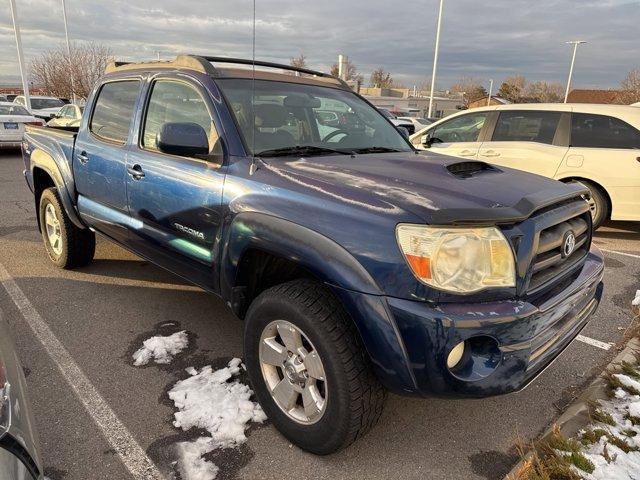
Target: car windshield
(295,119)
(13,110)
(40,103)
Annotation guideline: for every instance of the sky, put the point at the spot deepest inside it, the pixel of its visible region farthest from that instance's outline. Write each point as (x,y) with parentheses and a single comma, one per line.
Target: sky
(491,39)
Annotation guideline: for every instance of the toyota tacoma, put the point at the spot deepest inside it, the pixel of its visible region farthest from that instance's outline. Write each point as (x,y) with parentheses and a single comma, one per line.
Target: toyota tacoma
(358,264)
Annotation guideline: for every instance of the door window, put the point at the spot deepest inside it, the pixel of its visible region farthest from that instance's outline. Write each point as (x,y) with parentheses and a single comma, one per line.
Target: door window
(114,109)
(465,128)
(66,112)
(171,102)
(602,131)
(529,126)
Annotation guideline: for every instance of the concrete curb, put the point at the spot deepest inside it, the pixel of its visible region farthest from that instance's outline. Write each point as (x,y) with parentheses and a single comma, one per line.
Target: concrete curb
(576,416)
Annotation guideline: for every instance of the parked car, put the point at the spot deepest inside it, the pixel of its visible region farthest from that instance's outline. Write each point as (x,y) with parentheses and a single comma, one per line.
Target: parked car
(358,264)
(41,107)
(13,119)
(407,124)
(19,458)
(418,122)
(68,116)
(596,145)
(3,98)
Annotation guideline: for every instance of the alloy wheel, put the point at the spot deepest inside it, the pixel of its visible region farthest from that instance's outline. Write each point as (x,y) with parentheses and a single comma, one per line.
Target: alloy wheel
(52,227)
(293,372)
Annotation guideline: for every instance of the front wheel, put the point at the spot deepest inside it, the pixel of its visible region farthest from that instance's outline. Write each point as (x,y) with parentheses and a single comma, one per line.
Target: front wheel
(598,204)
(308,367)
(67,245)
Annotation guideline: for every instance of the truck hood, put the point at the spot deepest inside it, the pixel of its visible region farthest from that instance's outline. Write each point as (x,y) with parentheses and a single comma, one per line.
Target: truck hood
(439,189)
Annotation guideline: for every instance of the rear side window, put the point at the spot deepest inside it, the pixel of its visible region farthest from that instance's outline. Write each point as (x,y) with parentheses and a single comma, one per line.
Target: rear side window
(602,131)
(529,126)
(114,109)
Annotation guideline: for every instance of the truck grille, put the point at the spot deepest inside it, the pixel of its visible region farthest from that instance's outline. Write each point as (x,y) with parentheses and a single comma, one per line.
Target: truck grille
(561,246)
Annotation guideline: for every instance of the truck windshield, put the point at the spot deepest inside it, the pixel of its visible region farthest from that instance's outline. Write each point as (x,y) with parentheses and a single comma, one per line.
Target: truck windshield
(295,119)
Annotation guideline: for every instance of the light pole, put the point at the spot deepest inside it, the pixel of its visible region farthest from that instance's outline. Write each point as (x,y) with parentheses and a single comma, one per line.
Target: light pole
(66,34)
(490,91)
(435,59)
(16,31)
(575,44)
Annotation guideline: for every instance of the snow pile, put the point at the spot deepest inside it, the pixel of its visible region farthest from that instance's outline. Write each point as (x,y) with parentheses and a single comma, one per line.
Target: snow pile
(216,402)
(636,301)
(616,454)
(161,349)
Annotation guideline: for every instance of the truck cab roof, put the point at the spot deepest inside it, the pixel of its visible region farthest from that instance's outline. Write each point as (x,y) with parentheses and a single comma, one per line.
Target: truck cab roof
(234,68)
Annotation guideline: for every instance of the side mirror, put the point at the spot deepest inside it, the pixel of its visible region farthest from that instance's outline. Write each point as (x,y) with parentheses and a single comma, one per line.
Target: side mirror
(184,139)
(426,140)
(405,133)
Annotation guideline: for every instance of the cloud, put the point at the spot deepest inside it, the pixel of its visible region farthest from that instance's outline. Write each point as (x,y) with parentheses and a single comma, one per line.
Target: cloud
(480,39)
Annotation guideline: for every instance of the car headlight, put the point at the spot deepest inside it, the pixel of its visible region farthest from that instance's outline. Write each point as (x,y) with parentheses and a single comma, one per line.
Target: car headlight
(458,260)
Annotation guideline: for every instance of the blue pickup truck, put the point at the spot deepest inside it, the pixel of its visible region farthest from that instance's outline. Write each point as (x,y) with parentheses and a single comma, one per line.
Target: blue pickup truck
(358,264)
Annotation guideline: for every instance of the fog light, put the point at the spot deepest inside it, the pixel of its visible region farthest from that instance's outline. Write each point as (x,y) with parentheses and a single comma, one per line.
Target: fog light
(455,355)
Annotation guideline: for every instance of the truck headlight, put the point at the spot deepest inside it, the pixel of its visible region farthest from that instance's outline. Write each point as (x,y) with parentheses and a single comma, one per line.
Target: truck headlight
(458,260)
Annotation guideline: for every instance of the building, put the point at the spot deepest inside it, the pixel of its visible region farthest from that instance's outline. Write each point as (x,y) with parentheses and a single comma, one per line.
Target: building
(17,90)
(409,102)
(482,102)
(593,96)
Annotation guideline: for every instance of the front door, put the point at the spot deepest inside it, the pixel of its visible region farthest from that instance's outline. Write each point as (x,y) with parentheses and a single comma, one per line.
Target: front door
(458,136)
(99,159)
(526,140)
(175,201)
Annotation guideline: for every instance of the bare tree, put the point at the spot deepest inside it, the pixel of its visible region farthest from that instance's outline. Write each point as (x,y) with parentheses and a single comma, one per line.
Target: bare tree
(630,87)
(544,92)
(350,73)
(472,89)
(63,76)
(512,88)
(298,62)
(380,78)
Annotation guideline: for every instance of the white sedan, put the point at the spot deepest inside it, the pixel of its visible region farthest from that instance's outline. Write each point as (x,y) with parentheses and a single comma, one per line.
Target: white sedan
(41,107)
(13,118)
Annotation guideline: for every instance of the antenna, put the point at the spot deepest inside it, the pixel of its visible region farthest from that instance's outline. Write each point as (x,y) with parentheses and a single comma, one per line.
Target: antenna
(253,166)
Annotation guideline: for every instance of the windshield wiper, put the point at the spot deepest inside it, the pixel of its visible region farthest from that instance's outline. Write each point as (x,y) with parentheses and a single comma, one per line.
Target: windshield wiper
(301,150)
(377,150)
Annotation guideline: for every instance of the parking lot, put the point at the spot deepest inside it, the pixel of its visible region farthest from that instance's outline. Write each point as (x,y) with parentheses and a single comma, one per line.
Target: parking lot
(99,315)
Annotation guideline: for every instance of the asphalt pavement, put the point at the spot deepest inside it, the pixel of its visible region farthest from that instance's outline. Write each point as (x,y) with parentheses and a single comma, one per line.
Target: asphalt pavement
(100,314)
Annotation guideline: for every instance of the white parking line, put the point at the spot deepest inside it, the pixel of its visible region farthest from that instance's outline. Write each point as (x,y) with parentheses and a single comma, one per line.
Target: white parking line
(594,342)
(130,452)
(620,253)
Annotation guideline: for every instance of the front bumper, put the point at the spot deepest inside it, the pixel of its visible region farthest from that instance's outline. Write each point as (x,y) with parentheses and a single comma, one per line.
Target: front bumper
(508,343)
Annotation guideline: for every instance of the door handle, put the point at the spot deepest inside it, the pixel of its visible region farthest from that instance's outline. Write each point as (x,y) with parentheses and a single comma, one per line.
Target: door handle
(83,157)
(467,153)
(136,172)
(490,153)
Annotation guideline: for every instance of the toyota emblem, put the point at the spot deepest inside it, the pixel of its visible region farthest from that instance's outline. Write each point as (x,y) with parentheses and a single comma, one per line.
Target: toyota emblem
(569,244)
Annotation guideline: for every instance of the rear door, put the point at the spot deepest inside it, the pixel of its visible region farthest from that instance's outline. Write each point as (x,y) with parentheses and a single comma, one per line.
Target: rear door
(606,150)
(175,201)
(99,162)
(459,136)
(527,140)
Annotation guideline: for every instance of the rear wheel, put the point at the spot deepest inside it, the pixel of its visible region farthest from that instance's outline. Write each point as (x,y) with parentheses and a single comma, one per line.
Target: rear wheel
(308,368)
(67,245)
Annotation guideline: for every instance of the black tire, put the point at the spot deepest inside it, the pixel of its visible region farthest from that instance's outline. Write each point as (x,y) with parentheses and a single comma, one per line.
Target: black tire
(78,245)
(355,398)
(600,209)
